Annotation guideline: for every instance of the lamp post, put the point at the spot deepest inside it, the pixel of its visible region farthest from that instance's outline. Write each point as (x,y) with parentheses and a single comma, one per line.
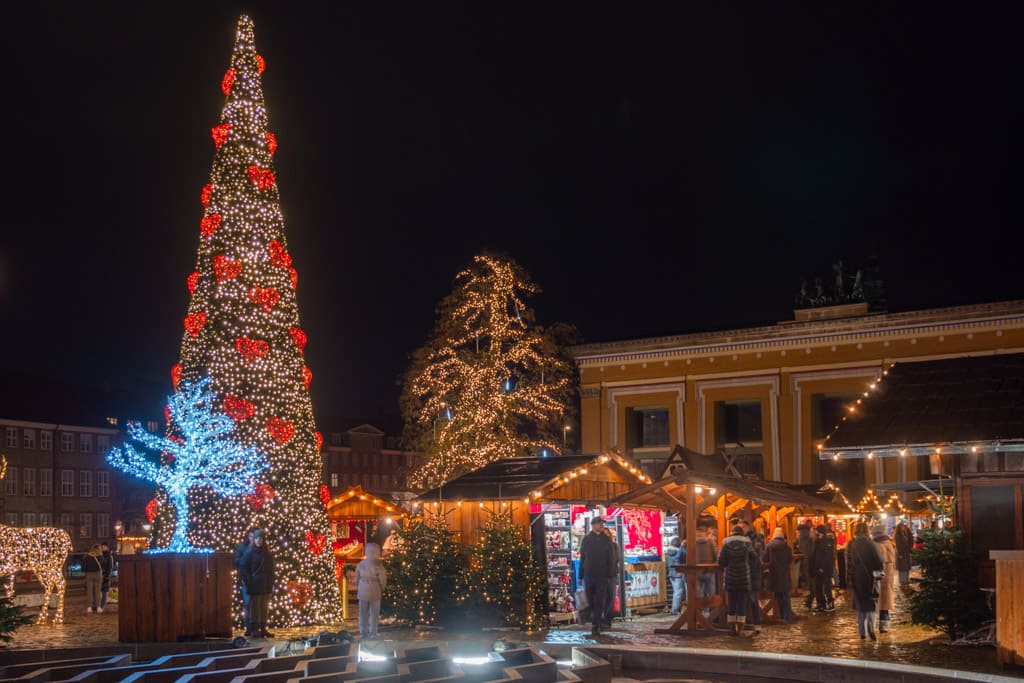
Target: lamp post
(565,431)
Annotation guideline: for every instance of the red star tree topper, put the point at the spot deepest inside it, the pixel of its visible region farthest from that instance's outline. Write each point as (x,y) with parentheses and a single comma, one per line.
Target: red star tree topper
(242,329)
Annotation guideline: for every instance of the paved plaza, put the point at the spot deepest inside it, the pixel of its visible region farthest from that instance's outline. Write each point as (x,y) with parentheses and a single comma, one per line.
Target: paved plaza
(831,635)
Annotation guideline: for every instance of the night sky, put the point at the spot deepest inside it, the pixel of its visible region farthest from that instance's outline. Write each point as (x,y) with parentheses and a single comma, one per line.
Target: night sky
(656,170)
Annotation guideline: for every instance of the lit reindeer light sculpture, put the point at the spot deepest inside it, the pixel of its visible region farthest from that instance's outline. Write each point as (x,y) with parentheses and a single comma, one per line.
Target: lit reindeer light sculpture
(41,550)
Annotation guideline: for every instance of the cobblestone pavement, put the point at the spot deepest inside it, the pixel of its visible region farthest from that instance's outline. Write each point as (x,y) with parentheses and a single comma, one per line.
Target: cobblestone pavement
(832,634)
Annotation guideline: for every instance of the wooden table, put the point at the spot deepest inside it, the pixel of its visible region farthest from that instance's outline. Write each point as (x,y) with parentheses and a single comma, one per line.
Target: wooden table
(692,618)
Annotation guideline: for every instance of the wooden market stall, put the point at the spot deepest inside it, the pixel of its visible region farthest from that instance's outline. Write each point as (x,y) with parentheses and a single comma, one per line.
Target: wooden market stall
(358,517)
(697,485)
(550,499)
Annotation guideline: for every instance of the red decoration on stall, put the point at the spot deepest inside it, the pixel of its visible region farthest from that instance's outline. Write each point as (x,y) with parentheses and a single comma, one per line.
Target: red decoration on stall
(279,256)
(262,178)
(209,224)
(176,375)
(251,349)
(300,593)
(194,323)
(261,64)
(325,494)
(220,133)
(192,280)
(319,440)
(265,298)
(294,275)
(206,193)
(263,494)
(227,81)
(271,143)
(307,375)
(299,337)
(280,430)
(315,542)
(226,269)
(151,509)
(238,408)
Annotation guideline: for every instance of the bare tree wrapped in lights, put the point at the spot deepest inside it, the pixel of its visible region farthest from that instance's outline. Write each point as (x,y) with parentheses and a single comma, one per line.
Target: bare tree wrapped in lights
(243,330)
(490,383)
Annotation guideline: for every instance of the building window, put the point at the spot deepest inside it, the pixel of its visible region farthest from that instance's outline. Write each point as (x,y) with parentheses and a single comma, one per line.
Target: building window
(67,442)
(102,525)
(46,482)
(45,519)
(11,486)
(85,483)
(335,438)
(334,478)
(28,481)
(45,441)
(103,443)
(28,439)
(85,525)
(11,518)
(647,427)
(85,443)
(12,437)
(67,485)
(376,482)
(28,519)
(152,426)
(102,484)
(67,523)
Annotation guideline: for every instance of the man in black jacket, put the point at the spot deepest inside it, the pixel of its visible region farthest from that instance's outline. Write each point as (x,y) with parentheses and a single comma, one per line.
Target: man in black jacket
(257,571)
(597,566)
(240,551)
(823,568)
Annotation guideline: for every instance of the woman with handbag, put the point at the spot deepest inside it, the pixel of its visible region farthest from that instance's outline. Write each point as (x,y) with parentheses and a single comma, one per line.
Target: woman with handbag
(887,592)
(863,566)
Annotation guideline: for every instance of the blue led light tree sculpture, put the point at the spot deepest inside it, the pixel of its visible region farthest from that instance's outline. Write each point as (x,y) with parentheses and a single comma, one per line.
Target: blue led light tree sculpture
(204,455)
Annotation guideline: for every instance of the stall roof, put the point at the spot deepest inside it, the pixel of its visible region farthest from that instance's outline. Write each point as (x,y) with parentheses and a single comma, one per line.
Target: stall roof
(956,404)
(355,503)
(517,478)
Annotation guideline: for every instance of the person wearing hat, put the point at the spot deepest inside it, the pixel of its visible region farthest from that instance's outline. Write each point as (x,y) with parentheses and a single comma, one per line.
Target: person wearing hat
(779,557)
(257,572)
(597,567)
(736,557)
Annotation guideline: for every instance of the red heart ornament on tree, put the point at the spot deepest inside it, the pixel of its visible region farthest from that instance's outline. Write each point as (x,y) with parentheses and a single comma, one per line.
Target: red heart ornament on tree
(209,224)
(175,375)
(299,337)
(307,376)
(220,134)
(299,592)
(263,494)
(167,414)
(271,143)
(227,81)
(226,269)
(325,494)
(280,430)
(251,349)
(264,298)
(192,280)
(279,256)
(263,178)
(315,542)
(152,507)
(294,275)
(206,193)
(319,440)
(261,64)
(194,323)
(238,408)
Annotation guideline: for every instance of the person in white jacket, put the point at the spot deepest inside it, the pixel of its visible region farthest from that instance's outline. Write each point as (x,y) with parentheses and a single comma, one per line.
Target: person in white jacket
(371,578)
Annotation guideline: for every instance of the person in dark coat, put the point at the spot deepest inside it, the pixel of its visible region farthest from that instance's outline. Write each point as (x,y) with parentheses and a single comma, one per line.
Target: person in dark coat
(735,558)
(805,547)
(107,562)
(863,559)
(779,557)
(823,567)
(597,567)
(904,540)
(257,571)
(240,551)
(676,554)
(756,575)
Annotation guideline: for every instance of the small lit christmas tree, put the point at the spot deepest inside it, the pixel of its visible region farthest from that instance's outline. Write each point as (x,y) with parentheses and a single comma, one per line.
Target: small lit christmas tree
(243,330)
(11,616)
(504,575)
(490,383)
(203,455)
(948,597)
(426,574)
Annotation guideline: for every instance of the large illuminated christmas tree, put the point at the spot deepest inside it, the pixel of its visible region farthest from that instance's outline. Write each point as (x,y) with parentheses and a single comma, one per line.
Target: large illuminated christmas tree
(242,330)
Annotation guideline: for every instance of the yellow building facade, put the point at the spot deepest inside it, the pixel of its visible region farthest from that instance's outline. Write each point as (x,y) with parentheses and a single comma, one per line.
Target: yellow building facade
(765,396)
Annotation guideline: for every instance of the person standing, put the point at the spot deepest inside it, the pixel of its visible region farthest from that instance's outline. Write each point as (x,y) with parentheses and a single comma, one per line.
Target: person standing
(240,551)
(597,566)
(904,547)
(371,578)
(756,575)
(822,567)
(863,560)
(886,589)
(706,553)
(735,559)
(107,562)
(676,554)
(257,571)
(805,547)
(93,568)
(779,557)
(613,582)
